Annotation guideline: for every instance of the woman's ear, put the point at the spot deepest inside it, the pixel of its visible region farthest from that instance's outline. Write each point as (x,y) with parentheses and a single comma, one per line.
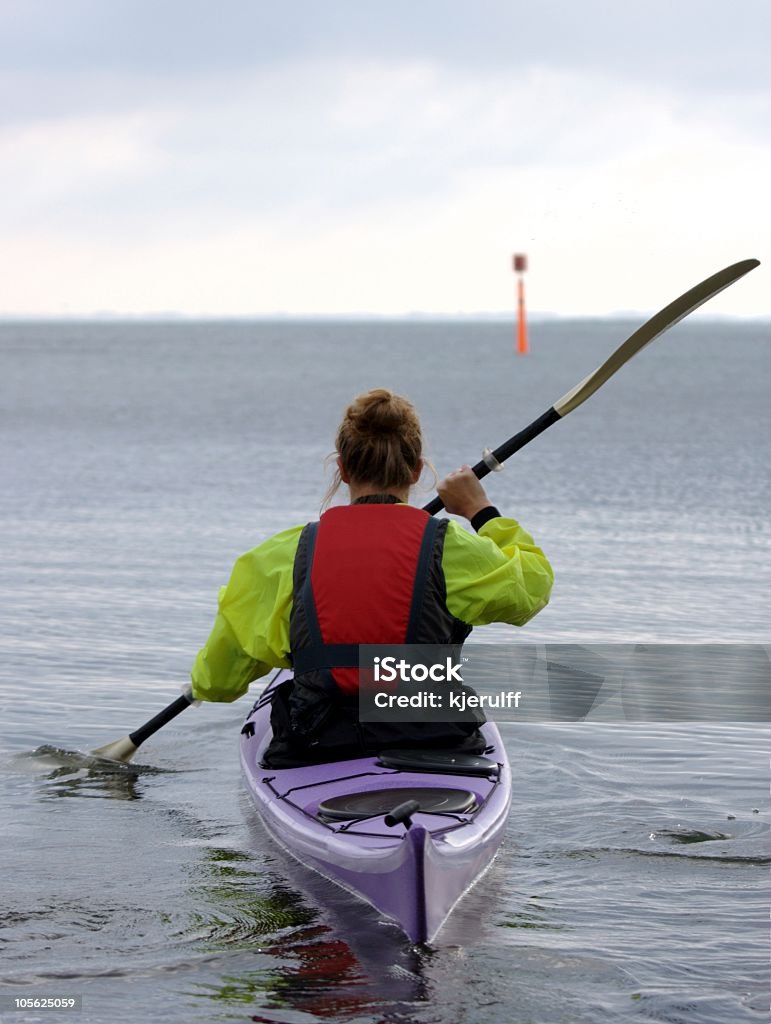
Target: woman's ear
(341,469)
(417,471)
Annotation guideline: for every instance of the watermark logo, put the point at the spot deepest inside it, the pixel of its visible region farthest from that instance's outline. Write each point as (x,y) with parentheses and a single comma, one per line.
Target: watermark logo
(424,683)
(389,669)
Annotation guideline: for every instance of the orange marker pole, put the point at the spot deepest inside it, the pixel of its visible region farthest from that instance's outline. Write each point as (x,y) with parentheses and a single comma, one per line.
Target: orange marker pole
(520,266)
(521,319)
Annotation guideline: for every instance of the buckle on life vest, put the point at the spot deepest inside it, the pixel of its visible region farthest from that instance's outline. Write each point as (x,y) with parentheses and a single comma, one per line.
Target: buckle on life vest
(320,657)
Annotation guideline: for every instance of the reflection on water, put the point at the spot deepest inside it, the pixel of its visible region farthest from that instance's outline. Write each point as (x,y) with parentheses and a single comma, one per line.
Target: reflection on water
(533,915)
(238,907)
(685,835)
(318,974)
(310,968)
(76,774)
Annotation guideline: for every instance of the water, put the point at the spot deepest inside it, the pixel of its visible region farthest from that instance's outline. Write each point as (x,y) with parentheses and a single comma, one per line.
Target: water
(139,460)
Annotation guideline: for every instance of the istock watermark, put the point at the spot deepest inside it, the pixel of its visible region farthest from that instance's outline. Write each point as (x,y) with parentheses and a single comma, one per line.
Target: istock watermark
(425,683)
(390,668)
(632,682)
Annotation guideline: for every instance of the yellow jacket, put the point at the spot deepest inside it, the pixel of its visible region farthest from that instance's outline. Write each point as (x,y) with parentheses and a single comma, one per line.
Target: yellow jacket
(497,575)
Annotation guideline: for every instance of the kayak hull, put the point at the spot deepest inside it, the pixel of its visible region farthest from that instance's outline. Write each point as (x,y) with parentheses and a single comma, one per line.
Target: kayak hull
(413,873)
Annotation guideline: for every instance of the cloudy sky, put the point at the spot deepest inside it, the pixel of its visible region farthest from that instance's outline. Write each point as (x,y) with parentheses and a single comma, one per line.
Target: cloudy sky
(361,156)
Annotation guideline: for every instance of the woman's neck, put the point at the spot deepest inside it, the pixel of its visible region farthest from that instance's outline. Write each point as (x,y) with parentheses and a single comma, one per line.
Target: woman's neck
(363,490)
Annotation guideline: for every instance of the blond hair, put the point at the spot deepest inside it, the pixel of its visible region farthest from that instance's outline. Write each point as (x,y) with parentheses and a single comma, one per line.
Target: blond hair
(379,442)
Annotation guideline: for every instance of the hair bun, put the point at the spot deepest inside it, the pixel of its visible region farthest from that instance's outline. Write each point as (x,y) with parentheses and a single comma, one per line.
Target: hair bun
(378,413)
(379,442)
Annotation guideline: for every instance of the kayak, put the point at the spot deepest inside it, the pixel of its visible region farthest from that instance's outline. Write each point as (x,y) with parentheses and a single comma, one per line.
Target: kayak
(408,831)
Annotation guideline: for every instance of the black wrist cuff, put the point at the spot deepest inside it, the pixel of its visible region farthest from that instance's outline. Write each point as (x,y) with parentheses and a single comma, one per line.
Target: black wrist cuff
(484,516)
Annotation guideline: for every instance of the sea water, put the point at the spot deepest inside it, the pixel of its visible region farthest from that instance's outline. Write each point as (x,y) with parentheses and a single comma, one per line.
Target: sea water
(138,460)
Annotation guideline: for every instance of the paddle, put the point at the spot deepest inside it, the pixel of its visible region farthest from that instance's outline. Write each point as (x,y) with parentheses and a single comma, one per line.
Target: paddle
(124,749)
(650,330)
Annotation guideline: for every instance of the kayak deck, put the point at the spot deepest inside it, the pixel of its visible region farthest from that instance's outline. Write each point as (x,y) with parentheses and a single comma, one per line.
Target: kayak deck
(415,871)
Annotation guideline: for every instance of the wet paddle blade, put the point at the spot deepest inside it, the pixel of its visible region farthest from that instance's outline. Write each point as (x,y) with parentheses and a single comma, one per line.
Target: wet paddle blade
(124,749)
(119,750)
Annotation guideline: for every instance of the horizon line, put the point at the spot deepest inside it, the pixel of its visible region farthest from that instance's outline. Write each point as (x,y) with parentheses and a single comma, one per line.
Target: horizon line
(362,317)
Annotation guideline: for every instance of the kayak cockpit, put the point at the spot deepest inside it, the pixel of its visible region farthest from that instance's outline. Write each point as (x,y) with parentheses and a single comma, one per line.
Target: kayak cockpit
(360,801)
(380,802)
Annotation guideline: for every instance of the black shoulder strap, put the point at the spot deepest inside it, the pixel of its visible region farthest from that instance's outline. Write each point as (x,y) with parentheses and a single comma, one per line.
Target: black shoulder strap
(421,577)
(318,655)
(311,530)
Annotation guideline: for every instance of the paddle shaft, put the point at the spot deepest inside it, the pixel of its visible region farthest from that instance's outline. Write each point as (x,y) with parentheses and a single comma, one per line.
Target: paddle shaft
(162,718)
(504,451)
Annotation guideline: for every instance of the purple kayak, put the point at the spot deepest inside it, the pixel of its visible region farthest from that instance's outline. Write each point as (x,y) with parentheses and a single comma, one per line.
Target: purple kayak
(408,831)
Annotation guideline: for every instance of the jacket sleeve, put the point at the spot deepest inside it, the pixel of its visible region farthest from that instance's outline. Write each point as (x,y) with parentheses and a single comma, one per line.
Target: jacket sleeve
(499,575)
(250,635)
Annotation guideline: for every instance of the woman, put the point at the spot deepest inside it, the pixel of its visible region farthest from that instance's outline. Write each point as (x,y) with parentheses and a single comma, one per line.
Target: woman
(375,571)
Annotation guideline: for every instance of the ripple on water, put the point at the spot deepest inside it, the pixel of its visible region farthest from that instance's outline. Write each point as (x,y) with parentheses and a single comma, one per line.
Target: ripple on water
(69,773)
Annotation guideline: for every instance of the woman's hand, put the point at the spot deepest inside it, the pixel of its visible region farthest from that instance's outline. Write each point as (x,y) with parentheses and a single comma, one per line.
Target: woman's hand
(462,494)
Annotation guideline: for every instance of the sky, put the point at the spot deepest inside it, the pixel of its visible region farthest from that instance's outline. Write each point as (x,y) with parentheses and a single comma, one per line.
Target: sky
(248,157)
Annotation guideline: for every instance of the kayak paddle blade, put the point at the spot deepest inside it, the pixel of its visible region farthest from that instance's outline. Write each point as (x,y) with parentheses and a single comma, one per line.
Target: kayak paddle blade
(119,750)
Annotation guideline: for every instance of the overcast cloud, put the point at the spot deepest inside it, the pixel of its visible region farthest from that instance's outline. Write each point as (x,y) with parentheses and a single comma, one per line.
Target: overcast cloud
(250,157)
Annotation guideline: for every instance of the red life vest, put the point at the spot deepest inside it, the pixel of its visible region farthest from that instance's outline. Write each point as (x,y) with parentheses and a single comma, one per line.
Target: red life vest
(367,574)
